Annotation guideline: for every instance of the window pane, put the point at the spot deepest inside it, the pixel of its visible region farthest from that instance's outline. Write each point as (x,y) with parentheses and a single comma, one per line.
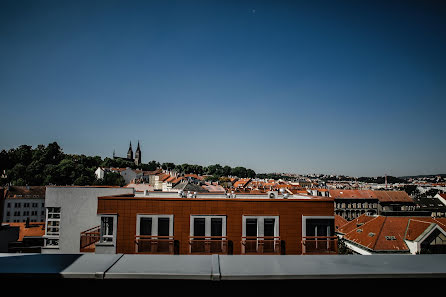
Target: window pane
(216,227)
(251,227)
(145,226)
(163,226)
(320,227)
(269,227)
(199,227)
(107,225)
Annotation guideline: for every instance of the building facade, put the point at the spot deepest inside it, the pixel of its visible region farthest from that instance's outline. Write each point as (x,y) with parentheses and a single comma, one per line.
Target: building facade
(216,224)
(71,211)
(351,204)
(22,203)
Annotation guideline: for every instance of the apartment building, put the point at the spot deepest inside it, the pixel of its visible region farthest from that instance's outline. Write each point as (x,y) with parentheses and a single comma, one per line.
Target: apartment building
(70,211)
(351,204)
(205,223)
(22,203)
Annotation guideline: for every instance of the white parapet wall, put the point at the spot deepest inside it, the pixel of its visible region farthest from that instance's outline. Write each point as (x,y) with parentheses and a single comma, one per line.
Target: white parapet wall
(78,213)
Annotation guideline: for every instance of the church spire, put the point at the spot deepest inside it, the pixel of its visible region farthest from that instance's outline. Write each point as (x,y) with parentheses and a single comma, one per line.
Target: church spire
(130,152)
(138,155)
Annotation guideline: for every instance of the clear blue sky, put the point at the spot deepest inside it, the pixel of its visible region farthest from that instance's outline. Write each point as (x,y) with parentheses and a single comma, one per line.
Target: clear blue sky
(354,87)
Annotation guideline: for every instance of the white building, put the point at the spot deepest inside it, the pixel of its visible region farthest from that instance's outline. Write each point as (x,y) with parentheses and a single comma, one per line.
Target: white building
(24,202)
(70,211)
(100,173)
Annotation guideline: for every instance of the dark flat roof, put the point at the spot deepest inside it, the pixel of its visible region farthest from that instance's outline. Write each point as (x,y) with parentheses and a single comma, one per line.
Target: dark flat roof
(222,267)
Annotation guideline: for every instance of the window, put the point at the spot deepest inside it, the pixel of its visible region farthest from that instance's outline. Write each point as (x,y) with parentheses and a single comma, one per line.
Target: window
(9,205)
(25,204)
(26,213)
(52,227)
(107,229)
(34,204)
(17,204)
(34,212)
(154,234)
(8,213)
(318,234)
(260,234)
(17,213)
(154,225)
(208,226)
(317,226)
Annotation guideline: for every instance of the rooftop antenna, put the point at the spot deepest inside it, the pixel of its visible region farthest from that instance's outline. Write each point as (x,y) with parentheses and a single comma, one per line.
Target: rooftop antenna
(385,177)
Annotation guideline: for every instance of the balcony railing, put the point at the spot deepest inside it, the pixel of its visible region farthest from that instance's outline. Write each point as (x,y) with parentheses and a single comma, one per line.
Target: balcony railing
(146,244)
(208,245)
(88,238)
(261,245)
(319,245)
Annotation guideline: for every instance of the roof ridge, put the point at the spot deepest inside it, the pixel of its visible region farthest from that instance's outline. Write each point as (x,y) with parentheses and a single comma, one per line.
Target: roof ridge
(379,233)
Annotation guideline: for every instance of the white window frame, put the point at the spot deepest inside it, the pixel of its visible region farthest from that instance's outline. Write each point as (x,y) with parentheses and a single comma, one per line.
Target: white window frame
(154,223)
(207,224)
(304,223)
(53,236)
(261,225)
(105,239)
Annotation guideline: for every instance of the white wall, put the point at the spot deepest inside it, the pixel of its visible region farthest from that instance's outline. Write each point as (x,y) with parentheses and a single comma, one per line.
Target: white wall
(78,212)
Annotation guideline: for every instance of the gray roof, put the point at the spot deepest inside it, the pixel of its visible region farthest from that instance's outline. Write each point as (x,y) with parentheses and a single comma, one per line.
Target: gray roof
(190,187)
(223,267)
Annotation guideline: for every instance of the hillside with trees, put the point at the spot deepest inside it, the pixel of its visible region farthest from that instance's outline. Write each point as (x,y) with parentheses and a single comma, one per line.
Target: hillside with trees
(49,165)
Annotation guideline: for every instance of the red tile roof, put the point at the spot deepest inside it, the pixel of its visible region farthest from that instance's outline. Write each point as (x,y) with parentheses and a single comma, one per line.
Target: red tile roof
(389,233)
(382,196)
(339,221)
(349,194)
(353,224)
(25,192)
(393,196)
(241,183)
(35,230)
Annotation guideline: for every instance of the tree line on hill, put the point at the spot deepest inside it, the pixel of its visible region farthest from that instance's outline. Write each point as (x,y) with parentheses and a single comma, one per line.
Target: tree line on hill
(49,165)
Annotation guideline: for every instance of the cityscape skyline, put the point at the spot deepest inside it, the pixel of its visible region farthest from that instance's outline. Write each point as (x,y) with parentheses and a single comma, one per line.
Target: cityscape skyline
(333,88)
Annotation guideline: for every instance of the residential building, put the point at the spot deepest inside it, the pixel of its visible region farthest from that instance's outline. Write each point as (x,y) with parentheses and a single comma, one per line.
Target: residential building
(24,202)
(434,206)
(29,239)
(207,223)
(368,235)
(351,204)
(71,211)
(441,197)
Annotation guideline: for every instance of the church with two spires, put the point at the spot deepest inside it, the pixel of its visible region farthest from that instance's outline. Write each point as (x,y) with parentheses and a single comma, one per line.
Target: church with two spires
(130,158)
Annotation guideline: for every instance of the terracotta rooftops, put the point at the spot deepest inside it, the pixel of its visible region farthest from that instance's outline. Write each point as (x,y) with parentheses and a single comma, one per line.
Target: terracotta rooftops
(25,192)
(34,229)
(381,233)
(382,196)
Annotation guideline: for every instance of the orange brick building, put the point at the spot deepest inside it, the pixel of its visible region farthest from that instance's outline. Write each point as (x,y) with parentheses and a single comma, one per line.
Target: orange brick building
(209,225)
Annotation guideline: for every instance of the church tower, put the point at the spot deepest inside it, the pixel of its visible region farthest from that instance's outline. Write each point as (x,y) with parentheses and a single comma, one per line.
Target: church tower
(130,152)
(138,155)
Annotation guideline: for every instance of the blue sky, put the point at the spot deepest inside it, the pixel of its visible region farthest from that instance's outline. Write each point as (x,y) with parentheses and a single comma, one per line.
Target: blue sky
(354,87)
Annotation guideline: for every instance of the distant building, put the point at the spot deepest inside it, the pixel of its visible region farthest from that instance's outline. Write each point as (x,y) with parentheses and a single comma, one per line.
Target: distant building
(29,239)
(433,205)
(138,155)
(24,202)
(351,204)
